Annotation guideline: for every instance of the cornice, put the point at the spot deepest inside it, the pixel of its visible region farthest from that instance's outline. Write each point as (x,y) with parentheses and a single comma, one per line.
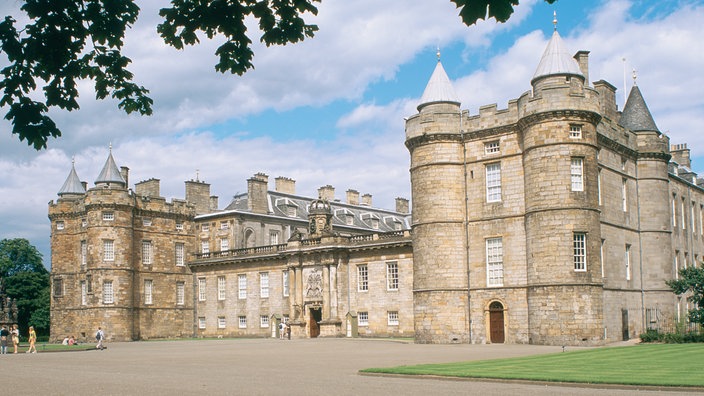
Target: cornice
(584,115)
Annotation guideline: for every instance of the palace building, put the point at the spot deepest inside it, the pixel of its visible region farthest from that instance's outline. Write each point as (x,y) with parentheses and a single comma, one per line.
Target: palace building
(556,220)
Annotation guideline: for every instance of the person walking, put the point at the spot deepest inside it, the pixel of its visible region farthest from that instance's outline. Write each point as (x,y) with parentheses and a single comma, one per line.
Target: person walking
(99,336)
(15,337)
(4,333)
(32,340)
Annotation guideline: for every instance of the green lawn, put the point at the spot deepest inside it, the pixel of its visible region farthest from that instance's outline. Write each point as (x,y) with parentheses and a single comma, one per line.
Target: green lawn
(650,364)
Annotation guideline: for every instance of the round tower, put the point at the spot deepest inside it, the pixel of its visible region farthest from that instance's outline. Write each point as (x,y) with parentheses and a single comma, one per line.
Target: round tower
(440,280)
(558,128)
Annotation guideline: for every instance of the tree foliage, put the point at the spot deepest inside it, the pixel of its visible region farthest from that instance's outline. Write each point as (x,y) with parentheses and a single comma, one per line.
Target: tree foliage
(71,40)
(691,280)
(25,280)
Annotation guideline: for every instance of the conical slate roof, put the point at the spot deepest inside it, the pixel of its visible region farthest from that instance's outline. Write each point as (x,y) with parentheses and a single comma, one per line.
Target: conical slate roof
(557,60)
(439,89)
(73,184)
(110,172)
(635,115)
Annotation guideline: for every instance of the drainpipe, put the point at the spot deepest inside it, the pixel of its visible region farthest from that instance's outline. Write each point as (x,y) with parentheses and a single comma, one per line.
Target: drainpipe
(640,251)
(466,231)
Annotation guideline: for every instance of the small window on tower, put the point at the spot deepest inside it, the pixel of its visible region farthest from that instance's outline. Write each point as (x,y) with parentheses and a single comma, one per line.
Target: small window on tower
(491,147)
(59,225)
(575,131)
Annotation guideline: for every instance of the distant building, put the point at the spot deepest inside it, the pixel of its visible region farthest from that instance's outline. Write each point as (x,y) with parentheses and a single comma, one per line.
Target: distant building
(555,221)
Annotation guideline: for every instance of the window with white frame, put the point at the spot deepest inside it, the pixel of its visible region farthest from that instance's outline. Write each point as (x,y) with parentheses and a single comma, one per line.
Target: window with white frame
(221,322)
(624,193)
(363,319)
(84,223)
(201,322)
(224,244)
(84,254)
(674,211)
(349,219)
(264,284)
(491,147)
(180,293)
(60,225)
(577,174)
(205,227)
(392,275)
(493,182)
(579,244)
(242,286)
(146,252)
(224,225)
(393,318)
(221,288)
(179,226)
(205,247)
(627,259)
(362,277)
(701,219)
(676,264)
(691,218)
(84,293)
(263,321)
(575,131)
(375,223)
(147,222)
(180,249)
(494,261)
(108,296)
(148,291)
(108,216)
(242,322)
(108,250)
(284,282)
(601,256)
(598,186)
(684,215)
(201,289)
(273,237)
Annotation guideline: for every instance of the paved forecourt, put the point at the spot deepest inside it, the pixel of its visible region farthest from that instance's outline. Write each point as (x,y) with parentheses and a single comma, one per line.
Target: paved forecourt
(264,367)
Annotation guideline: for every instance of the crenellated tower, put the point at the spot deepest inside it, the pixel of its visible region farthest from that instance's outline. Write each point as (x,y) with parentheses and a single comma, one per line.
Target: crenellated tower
(440,277)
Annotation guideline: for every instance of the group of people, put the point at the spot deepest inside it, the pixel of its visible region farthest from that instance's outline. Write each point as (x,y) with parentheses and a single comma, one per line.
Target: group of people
(69,341)
(13,335)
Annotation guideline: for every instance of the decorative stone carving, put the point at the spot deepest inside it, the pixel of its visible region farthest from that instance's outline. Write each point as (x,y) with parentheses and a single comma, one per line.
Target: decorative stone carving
(314,284)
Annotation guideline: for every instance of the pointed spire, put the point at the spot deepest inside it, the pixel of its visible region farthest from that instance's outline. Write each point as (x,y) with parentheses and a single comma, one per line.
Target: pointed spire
(635,115)
(439,88)
(556,59)
(73,184)
(110,172)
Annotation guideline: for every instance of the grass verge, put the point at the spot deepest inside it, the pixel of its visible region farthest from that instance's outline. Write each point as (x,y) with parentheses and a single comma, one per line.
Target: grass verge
(653,365)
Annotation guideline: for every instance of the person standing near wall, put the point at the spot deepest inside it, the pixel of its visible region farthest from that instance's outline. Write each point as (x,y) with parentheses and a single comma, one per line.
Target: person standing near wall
(99,336)
(4,333)
(15,337)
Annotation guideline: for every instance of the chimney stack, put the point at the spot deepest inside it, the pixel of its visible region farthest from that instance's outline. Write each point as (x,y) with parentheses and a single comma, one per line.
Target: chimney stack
(367,199)
(285,185)
(401,205)
(353,197)
(327,193)
(198,194)
(582,58)
(257,193)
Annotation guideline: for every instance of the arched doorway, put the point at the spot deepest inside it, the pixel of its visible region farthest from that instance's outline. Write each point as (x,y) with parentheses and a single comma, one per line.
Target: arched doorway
(496,322)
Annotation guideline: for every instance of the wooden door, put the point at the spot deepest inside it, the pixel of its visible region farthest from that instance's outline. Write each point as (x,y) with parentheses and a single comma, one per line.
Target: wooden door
(496,323)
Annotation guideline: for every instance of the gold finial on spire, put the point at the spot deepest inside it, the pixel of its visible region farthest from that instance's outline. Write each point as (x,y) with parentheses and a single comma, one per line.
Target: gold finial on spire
(437,53)
(554,20)
(635,76)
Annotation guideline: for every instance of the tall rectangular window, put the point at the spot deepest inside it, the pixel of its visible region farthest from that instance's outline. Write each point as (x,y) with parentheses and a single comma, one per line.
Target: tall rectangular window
(624,193)
(684,215)
(221,322)
(701,219)
(263,321)
(284,282)
(601,256)
(148,291)
(242,322)
(392,275)
(84,254)
(577,174)
(273,237)
(627,260)
(242,286)
(362,278)
(495,262)
(180,293)
(224,244)
(674,212)
(393,318)
(493,182)
(201,322)
(84,293)
(146,252)
(180,254)
(108,250)
(363,319)
(205,247)
(264,284)
(201,289)
(221,288)
(58,287)
(579,243)
(598,186)
(691,218)
(108,297)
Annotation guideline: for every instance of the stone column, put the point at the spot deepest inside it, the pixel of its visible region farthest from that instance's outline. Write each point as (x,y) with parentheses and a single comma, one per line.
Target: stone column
(326,292)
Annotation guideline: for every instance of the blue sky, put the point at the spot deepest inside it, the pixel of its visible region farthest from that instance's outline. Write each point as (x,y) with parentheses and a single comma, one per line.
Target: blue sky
(330,110)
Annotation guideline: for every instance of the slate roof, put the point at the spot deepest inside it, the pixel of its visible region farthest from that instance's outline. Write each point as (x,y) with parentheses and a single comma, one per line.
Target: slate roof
(110,172)
(439,89)
(73,184)
(557,60)
(635,115)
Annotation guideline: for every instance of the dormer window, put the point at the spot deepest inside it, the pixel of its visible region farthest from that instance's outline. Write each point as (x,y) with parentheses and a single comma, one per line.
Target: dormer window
(375,224)
(491,147)
(287,206)
(371,219)
(345,215)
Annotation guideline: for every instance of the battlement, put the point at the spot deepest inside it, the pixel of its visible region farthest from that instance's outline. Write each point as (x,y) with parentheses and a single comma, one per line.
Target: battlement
(490,116)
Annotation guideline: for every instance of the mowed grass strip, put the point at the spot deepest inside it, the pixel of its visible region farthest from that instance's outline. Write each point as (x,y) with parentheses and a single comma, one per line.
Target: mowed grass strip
(652,364)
